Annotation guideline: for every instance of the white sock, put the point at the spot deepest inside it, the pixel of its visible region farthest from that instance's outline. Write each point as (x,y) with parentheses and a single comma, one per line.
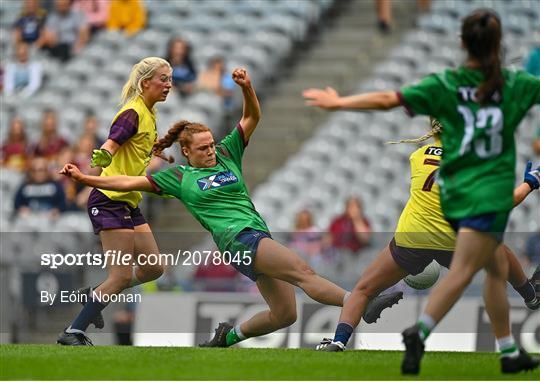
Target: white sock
(70,330)
(347,295)
(239,332)
(507,346)
(134,280)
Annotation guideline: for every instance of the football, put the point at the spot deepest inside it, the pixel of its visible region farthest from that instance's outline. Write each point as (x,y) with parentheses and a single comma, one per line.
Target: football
(426,278)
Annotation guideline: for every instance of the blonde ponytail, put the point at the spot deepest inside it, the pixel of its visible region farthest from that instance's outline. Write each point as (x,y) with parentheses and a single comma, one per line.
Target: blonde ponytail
(144,69)
(436,128)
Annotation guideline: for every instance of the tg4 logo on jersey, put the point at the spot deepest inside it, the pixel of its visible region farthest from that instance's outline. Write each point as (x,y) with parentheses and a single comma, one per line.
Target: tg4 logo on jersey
(220,179)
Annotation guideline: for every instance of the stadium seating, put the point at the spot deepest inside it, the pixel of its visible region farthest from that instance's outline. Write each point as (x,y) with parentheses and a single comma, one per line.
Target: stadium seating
(258,35)
(364,164)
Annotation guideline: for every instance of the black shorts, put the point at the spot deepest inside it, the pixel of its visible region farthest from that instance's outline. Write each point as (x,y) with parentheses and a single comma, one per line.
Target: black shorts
(414,260)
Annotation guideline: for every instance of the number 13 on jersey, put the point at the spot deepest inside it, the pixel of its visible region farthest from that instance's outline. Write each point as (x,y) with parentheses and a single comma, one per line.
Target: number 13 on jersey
(488,119)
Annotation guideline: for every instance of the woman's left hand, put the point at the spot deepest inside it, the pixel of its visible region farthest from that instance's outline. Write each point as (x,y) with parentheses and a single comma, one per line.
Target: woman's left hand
(241,77)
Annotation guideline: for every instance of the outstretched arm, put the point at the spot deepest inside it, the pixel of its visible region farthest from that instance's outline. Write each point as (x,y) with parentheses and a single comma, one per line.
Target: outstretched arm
(251,111)
(113,183)
(531,181)
(331,100)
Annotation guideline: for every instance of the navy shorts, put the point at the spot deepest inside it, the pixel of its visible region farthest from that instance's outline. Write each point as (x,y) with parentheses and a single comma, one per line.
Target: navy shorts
(106,213)
(247,241)
(493,224)
(414,260)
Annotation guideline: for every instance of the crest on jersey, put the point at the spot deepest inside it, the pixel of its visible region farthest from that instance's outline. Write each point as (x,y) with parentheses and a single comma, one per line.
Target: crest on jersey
(220,179)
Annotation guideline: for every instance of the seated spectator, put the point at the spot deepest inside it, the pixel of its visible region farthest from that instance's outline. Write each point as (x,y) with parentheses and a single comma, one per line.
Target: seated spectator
(216,278)
(39,193)
(96,13)
(23,76)
(306,239)
(184,74)
(216,80)
(66,31)
(15,147)
(50,144)
(91,128)
(350,231)
(29,26)
(80,154)
(128,16)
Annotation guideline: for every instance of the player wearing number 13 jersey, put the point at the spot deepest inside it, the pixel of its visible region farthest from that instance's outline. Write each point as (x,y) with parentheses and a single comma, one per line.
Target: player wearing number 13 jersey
(478,171)
(480,106)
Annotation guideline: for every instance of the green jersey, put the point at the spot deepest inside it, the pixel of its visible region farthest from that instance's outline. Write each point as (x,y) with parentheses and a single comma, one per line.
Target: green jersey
(216,196)
(477,171)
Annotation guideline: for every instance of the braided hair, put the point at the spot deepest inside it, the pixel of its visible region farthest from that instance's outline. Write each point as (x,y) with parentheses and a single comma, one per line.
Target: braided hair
(436,128)
(180,132)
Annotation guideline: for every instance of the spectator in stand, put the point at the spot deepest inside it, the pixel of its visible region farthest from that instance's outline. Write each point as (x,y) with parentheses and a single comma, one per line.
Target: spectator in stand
(184,73)
(306,239)
(39,193)
(384,13)
(14,148)
(80,154)
(532,66)
(96,13)
(23,76)
(66,31)
(350,231)
(50,144)
(91,128)
(216,278)
(126,15)
(29,26)
(214,79)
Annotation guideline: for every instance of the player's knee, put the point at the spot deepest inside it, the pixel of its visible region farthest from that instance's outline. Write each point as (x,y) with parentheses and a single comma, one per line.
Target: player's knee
(286,318)
(154,272)
(364,289)
(120,282)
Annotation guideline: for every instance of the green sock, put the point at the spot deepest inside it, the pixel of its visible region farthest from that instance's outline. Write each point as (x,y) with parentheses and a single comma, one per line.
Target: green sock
(234,336)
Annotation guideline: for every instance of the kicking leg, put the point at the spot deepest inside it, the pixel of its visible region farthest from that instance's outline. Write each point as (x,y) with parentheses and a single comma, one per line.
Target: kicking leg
(281,300)
(276,261)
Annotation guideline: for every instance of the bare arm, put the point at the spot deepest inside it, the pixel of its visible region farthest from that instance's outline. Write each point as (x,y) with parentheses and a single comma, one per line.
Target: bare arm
(111,146)
(331,100)
(113,183)
(521,192)
(251,110)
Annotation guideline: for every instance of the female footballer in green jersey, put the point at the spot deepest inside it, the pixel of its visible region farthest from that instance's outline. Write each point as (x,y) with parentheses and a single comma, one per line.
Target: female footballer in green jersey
(115,216)
(213,190)
(480,104)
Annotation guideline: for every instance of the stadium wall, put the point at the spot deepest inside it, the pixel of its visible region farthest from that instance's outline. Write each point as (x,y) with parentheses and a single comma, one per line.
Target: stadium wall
(166,319)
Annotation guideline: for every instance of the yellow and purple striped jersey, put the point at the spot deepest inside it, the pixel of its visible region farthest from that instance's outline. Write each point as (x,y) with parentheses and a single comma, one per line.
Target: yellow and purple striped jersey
(134,129)
(422,224)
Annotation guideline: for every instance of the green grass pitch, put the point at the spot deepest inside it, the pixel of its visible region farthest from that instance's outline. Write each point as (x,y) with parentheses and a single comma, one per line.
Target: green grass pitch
(46,362)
